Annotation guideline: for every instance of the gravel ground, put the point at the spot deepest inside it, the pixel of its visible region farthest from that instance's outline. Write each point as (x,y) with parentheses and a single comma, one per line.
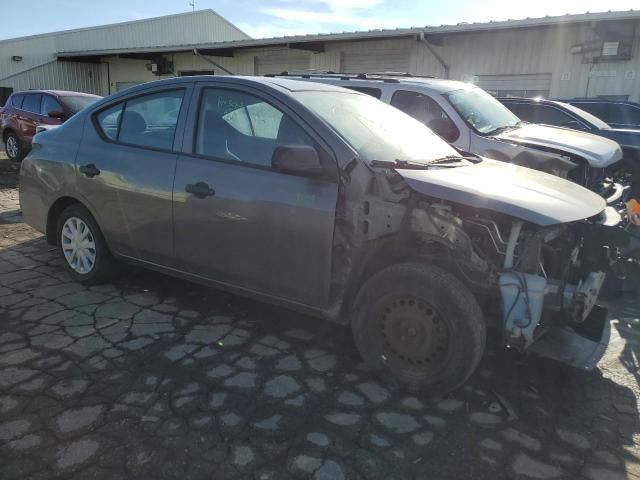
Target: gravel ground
(153,377)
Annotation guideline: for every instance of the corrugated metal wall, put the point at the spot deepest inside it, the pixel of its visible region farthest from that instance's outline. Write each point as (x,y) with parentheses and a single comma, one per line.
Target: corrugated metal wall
(372,56)
(279,60)
(78,77)
(187,29)
(38,68)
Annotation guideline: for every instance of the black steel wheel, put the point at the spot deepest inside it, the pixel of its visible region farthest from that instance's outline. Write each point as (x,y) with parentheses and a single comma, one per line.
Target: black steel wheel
(420,325)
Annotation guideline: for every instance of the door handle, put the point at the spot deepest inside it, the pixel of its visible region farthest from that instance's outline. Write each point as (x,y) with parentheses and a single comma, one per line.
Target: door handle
(90,170)
(200,189)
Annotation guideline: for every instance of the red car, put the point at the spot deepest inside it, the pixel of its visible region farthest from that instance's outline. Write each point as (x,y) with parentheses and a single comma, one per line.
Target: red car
(24,111)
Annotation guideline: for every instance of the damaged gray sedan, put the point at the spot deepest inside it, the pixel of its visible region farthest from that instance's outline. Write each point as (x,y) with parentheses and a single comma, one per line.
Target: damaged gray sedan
(329,202)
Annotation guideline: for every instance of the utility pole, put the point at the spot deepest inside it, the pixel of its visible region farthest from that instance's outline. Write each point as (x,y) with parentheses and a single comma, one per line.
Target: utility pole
(193,5)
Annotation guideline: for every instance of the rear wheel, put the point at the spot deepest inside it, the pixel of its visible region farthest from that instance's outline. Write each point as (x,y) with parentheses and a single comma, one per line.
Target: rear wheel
(82,247)
(13,149)
(420,325)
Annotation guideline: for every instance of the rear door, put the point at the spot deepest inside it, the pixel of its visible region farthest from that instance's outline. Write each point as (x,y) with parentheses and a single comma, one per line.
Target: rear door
(30,116)
(238,221)
(11,112)
(126,166)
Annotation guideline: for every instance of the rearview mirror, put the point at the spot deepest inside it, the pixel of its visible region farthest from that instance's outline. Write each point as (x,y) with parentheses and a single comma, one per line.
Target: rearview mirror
(56,114)
(296,159)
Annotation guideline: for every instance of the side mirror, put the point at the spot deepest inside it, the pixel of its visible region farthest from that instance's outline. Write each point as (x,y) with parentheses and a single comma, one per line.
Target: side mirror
(296,159)
(56,114)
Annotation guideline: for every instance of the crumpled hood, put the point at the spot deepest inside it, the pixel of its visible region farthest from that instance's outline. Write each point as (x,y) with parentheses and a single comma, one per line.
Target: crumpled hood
(598,151)
(520,192)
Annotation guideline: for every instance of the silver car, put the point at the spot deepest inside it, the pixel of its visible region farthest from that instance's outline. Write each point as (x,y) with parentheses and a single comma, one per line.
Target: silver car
(329,202)
(474,121)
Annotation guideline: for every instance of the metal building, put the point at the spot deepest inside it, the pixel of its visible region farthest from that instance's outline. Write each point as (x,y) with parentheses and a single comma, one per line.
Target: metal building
(32,62)
(593,54)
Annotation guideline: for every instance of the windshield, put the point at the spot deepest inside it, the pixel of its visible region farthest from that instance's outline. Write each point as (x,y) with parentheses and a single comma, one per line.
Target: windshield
(374,129)
(586,116)
(75,104)
(481,111)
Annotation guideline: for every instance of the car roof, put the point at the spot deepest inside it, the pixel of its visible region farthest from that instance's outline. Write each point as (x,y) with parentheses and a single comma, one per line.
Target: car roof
(284,84)
(439,85)
(532,100)
(59,93)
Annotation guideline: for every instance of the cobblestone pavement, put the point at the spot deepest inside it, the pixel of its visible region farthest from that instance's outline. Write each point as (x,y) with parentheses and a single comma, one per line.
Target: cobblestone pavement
(152,377)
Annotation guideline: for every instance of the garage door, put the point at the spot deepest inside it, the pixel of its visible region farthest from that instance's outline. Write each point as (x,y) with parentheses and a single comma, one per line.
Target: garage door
(528,85)
(294,62)
(381,59)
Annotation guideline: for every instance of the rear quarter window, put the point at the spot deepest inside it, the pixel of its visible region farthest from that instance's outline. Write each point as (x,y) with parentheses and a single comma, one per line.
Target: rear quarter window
(108,121)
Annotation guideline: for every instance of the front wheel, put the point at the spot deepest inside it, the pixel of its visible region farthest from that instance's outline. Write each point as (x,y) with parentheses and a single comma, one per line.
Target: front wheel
(420,325)
(82,247)
(13,149)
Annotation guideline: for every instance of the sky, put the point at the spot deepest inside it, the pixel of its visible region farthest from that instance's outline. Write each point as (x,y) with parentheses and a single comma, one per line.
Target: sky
(266,18)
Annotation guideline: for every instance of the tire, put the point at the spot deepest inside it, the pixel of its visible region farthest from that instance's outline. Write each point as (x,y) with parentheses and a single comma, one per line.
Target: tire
(420,325)
(93,261)
(13,149)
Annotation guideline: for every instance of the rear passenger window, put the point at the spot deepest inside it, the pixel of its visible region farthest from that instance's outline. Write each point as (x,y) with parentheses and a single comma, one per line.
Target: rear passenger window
(17,100)
(240,127)
(31,103)
(150,120)
(146,121)
(109,120)
(374,92)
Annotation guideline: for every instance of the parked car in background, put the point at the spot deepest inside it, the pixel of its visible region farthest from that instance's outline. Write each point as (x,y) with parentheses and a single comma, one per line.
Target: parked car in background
(474,121)
(25,111)
(616,113)
(552,112)
(329,202)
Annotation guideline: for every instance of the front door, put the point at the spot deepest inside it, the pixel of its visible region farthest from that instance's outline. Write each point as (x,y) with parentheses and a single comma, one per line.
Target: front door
(125,171)
(240,222)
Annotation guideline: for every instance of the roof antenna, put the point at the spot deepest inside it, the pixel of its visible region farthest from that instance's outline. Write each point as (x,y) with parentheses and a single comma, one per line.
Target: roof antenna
(193,5)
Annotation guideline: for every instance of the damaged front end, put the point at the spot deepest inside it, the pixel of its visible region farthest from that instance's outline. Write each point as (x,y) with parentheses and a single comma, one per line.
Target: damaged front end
(548,281)
(530,246)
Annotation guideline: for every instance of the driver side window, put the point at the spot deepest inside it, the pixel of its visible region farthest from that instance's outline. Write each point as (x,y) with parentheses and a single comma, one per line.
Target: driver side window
(240,127)
(426,110)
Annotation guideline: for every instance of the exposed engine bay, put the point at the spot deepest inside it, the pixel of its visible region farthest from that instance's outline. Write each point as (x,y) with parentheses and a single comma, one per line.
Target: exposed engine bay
(541,276)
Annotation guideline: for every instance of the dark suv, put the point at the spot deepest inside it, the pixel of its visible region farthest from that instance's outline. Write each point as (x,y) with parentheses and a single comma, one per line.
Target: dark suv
(24,111)
(617,113)
(552,112)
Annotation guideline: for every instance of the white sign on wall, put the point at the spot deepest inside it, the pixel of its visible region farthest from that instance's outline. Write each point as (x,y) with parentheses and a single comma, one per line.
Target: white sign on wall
(610,49)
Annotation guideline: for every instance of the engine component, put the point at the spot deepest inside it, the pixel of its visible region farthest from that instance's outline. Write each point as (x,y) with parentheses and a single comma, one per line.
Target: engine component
(522,299)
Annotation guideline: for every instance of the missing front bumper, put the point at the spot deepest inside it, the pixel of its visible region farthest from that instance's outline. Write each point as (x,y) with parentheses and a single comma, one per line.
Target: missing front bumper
(578,345)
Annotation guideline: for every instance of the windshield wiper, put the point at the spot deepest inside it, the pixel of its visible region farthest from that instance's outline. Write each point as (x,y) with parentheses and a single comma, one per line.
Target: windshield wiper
(504,128)
(453,159)
(398,163)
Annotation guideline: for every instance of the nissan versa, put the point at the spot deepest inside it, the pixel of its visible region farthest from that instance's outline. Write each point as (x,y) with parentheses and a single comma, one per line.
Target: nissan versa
(328,201)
